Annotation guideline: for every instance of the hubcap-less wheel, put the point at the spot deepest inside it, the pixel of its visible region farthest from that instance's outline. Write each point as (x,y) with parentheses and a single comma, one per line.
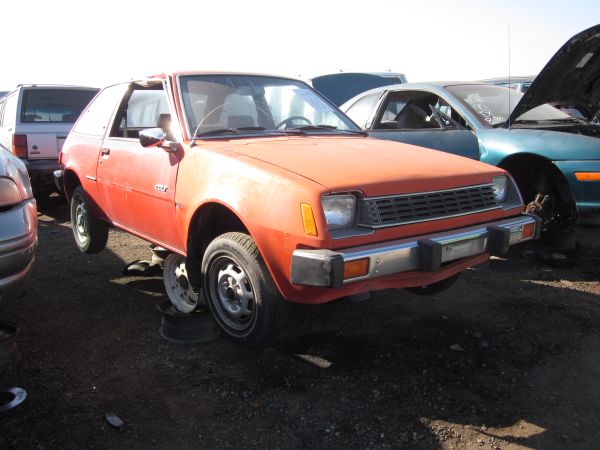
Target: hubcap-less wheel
(233,290)
(90,233)
(81,222)
(177,285)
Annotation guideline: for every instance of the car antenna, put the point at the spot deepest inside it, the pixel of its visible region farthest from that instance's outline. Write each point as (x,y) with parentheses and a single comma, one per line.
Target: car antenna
(509,110)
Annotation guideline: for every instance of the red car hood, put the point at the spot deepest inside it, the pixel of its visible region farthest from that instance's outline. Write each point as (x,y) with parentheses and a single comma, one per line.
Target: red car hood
(378,167)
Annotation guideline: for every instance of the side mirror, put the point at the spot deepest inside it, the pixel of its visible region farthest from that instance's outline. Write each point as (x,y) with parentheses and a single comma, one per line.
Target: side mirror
(156,137)
(152,137)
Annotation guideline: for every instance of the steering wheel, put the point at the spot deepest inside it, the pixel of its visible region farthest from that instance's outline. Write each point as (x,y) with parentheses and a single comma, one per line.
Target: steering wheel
(287,123)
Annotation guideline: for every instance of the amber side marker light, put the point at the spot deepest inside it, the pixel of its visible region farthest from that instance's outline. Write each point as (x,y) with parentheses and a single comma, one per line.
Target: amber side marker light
(528,230)
(356,268)
(587,176)
(308,220)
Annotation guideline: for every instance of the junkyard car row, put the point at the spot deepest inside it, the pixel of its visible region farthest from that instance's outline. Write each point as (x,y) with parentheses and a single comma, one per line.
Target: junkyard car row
(263,192)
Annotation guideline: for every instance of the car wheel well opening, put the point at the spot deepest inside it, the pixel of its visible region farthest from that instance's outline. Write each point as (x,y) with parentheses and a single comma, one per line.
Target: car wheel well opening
(209,221)
(544,188)
(71,181)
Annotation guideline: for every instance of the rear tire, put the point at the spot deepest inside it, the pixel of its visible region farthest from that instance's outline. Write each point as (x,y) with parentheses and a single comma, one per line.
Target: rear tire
(90,233)
(239,290)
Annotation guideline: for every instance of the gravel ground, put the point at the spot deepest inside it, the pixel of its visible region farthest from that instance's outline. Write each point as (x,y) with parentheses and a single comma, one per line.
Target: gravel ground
(506,359)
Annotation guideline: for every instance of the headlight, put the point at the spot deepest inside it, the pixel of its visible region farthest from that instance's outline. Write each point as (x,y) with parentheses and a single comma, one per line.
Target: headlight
(339,210)
(500,184)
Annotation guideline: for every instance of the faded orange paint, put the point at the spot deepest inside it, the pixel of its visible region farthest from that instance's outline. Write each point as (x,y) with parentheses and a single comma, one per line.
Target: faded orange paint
(264,180)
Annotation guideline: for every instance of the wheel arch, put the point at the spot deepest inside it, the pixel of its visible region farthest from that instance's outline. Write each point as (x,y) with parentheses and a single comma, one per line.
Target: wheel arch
(209,221)
(526,169)
(70,182)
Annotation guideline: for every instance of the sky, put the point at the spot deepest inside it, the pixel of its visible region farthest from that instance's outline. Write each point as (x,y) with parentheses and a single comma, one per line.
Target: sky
(97,43)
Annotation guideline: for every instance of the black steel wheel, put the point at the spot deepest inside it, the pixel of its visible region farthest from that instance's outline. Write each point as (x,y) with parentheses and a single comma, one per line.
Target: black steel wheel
(239,290)
(91,234)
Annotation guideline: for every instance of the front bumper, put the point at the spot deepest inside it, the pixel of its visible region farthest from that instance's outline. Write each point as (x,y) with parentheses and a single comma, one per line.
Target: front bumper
(18,242)
(325,268)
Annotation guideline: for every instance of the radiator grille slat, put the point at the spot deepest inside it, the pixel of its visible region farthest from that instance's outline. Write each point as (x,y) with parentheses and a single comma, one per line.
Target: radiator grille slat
(396,210)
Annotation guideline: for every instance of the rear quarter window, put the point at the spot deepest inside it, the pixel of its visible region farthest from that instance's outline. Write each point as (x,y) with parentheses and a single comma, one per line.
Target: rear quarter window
(99,112)
(54,105)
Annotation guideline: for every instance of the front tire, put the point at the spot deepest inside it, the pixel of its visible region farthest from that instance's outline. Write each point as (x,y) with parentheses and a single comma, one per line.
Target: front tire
(239,290)
(91,234)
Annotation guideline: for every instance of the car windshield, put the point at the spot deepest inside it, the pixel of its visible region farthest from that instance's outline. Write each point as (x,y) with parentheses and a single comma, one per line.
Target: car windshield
(492,105)
(222,105)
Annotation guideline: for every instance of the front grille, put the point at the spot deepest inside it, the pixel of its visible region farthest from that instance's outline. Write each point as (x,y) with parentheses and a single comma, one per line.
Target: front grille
(410,208)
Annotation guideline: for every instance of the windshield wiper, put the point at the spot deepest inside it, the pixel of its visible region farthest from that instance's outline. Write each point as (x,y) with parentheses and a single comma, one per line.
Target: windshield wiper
(302,129)
(225,131)
(527,121)
(566,120)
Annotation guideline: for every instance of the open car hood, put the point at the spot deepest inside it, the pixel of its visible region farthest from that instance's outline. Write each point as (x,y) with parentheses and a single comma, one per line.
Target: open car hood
(571,77)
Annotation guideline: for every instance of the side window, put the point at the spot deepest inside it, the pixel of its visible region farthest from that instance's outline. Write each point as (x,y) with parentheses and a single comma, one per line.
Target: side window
(394,105)
(361,111)
(144,108)
(449,116)
(95,118)
(409,111)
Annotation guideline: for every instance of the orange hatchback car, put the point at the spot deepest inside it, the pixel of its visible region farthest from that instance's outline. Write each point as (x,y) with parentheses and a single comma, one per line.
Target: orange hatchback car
(265,192)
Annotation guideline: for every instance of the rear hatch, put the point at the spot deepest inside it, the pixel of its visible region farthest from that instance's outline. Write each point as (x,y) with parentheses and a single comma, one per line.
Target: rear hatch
(46,116)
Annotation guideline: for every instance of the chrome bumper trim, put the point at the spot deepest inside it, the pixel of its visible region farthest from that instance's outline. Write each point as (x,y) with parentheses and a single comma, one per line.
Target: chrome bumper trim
(426,253)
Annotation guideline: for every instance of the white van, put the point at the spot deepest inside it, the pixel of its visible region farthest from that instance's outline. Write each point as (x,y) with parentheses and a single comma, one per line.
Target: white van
(34,123)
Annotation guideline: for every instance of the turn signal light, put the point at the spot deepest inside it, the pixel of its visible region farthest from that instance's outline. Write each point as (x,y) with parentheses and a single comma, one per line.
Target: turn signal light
(356,268)
(528,230)
(308,219)
(587,176)
(19,147)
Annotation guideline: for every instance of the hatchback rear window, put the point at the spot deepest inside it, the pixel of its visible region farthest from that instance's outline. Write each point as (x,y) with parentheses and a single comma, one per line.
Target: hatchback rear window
(54,105)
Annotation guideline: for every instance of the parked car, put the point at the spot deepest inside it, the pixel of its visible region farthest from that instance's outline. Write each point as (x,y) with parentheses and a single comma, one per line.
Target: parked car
(265,192)
(518,83)
(553,156)
(340,87)
(18,226)
(34,122)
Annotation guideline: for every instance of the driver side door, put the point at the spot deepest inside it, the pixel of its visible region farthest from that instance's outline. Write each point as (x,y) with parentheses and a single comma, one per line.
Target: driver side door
(136,183)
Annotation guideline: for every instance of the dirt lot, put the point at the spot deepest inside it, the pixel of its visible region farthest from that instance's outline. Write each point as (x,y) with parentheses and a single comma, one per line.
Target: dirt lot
(506,359)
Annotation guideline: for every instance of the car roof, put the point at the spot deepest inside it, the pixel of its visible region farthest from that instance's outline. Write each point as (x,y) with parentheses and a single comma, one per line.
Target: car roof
(216,72)
(511,79)
(53,86)
(433,85)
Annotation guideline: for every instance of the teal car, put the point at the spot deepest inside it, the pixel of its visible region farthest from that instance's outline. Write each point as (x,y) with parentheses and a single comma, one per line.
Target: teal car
(553,156)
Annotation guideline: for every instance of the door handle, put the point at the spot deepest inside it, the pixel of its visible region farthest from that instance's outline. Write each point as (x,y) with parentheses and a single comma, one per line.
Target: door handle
(105,151)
